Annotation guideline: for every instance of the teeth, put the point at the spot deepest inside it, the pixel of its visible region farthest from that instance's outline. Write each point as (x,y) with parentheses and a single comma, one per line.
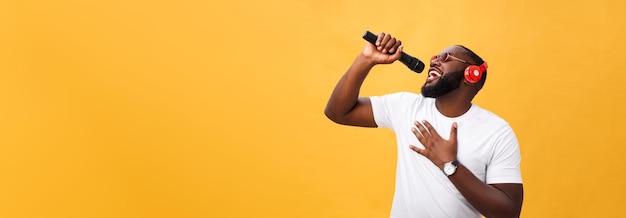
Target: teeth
(434,73)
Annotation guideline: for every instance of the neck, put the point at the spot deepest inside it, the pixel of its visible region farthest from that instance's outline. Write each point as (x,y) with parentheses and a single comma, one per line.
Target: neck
(453,104)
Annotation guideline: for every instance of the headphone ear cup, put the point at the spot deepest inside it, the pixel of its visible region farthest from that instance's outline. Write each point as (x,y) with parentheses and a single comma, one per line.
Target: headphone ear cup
(473,74)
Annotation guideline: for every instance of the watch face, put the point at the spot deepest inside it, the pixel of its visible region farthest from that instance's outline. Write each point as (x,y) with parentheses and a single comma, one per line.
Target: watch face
(449,169)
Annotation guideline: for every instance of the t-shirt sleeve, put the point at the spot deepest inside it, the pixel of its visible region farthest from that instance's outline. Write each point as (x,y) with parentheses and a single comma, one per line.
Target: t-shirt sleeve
(383,107)
(505,163)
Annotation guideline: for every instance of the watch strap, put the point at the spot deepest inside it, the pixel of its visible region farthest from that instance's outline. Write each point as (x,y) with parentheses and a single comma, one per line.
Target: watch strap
(455,163)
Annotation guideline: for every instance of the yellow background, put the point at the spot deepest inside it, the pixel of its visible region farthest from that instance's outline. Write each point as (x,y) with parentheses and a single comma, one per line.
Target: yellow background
(215,109)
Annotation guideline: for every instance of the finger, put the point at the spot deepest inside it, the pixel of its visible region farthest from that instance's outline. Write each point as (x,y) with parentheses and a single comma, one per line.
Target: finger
(389,45)
(430,128)
(416,149)
(395,46)
(379,38)
(418,135)
(422,129)
(383,43)
(453,131)
(398,54)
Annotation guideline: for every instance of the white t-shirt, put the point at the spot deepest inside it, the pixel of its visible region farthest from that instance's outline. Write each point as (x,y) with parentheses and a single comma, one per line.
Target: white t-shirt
(487,146)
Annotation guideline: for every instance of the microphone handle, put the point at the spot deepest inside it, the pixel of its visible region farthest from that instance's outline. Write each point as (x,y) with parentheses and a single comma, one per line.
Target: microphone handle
(413,63)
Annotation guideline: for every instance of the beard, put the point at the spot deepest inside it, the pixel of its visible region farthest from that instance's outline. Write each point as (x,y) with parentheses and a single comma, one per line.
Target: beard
(446,84)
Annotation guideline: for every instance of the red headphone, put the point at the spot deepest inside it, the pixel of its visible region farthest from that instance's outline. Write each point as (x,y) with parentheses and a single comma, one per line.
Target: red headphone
(473,73)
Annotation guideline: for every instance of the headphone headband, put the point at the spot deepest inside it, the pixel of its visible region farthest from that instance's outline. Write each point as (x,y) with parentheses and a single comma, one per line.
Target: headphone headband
(483,67)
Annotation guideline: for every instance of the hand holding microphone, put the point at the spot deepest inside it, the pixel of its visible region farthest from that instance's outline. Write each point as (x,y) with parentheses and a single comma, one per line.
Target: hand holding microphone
(391,46)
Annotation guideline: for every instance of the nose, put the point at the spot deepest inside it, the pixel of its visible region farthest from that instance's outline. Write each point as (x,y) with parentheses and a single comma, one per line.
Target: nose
(434,61)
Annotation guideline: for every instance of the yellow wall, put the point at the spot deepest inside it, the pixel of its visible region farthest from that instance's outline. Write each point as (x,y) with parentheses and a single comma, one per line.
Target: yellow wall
(214,109)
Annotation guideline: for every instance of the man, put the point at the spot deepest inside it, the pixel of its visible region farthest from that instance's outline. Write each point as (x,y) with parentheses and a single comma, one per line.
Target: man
(480,159)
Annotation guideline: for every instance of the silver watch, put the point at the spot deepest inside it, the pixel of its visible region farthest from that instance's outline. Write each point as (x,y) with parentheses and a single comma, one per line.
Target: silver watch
(450,167)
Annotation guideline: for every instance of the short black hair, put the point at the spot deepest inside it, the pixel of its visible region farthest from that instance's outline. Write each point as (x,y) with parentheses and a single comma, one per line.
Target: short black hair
(476,59)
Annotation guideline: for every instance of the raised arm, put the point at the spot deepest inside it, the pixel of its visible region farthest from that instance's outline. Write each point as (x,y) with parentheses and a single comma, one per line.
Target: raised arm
(345,106)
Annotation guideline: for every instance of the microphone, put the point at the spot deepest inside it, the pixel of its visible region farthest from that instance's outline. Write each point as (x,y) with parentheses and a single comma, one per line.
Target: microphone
(413,63)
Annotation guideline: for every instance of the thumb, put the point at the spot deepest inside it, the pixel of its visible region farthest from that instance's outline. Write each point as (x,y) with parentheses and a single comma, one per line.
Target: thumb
(453,131)
(398,54)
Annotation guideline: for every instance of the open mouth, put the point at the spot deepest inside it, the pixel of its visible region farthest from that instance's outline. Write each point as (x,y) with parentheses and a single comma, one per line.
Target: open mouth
(433,75)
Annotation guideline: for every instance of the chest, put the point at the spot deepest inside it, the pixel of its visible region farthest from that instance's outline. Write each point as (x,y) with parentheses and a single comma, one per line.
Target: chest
(475,140)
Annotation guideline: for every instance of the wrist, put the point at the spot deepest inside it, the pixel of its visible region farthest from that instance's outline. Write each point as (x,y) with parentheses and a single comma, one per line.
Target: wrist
(449,168)
(364,60)
(443,161)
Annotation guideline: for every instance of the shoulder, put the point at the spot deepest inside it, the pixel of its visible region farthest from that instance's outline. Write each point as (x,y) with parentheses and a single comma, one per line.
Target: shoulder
(392,108)
(485,115)
(400,96)
(490,120)
(401,100)
(403,95)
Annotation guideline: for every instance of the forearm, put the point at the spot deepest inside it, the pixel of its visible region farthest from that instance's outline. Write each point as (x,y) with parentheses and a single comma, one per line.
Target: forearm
(487,199)
(346,93)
